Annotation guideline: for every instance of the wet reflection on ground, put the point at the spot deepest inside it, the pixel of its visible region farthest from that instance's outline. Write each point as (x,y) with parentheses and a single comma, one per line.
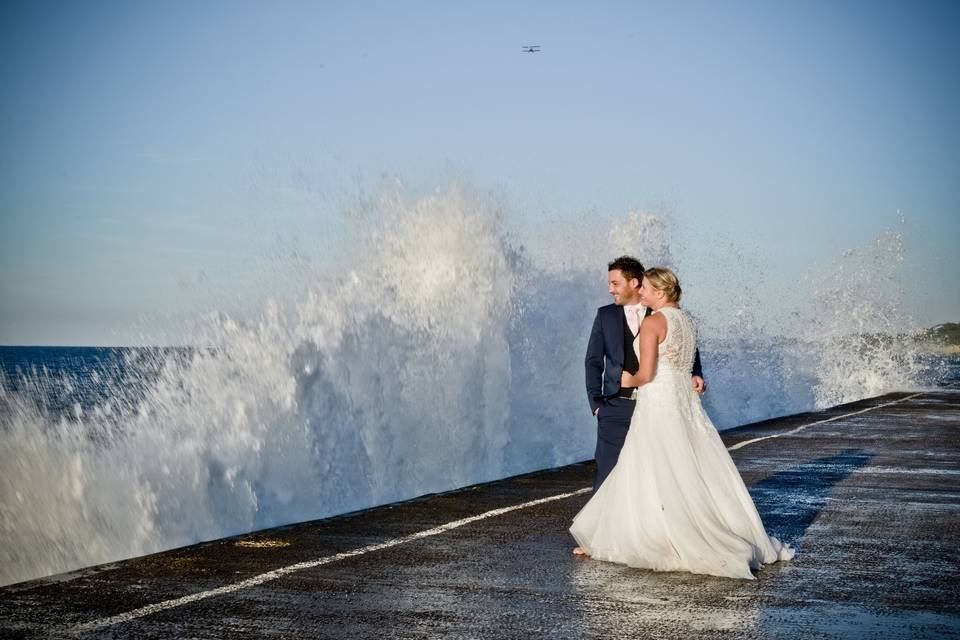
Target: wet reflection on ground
(626,602)
(870,501)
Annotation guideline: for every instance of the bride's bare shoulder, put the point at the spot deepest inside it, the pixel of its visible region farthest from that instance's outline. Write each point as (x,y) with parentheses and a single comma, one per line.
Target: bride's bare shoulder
(654,322)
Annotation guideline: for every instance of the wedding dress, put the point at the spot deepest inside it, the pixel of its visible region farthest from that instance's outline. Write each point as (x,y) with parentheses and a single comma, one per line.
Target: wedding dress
(675,501)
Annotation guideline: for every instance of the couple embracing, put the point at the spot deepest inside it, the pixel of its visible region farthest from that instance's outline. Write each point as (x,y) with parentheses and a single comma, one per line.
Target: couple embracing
(667,495)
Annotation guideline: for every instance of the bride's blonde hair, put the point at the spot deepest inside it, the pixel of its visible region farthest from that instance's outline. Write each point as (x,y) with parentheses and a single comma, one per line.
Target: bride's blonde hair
(662,279)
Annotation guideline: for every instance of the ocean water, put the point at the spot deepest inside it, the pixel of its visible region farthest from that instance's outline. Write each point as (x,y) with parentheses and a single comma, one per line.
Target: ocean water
(448,352)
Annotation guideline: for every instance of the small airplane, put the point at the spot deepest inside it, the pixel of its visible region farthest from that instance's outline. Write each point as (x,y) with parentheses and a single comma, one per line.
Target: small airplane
(531,48)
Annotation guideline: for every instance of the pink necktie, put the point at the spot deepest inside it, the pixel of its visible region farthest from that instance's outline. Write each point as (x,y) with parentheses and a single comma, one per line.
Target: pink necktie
(633,319)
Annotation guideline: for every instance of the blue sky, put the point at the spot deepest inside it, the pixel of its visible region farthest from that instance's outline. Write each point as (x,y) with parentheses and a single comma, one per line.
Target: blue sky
(147,144)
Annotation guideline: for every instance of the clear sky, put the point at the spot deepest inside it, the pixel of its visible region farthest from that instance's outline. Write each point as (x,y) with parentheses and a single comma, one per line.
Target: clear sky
(151,144)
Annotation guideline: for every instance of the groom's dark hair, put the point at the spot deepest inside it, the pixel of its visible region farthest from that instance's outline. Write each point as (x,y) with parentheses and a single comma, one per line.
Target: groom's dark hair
(630,267)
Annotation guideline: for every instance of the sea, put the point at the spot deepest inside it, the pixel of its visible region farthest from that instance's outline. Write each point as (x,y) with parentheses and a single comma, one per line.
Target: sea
(446,351)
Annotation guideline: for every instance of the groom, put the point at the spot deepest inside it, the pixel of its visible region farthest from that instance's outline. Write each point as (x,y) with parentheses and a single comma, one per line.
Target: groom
(610,353)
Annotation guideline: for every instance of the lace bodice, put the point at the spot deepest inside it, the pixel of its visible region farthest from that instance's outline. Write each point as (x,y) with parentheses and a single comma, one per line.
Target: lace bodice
(677,349)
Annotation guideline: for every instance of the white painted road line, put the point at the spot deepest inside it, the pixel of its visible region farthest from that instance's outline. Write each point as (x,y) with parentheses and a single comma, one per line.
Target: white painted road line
(283,571)
(812,424)
(279,573)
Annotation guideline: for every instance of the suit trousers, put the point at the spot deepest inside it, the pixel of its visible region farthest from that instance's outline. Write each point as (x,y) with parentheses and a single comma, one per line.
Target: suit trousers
(613,421)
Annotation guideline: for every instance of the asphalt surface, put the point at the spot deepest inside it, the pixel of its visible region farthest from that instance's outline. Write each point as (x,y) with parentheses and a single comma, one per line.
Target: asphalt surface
(870,499)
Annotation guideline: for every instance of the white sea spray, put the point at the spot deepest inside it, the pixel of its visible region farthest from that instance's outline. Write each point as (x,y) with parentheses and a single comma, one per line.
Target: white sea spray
(447,351)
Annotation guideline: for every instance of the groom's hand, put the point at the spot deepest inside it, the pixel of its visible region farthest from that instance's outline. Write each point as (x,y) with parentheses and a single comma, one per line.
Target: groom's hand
(699,385)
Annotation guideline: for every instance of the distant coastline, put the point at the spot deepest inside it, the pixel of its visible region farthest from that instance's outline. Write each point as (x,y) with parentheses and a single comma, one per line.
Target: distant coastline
(943,339)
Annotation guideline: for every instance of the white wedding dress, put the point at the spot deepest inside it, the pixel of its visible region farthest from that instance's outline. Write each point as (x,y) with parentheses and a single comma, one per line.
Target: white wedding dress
(675,501)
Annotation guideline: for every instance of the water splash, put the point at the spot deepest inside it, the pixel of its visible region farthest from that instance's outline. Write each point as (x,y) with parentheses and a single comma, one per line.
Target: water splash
(449,352)
(860,325)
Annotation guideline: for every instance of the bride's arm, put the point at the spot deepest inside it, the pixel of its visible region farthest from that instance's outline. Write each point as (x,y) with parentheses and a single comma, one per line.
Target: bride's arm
(650,330)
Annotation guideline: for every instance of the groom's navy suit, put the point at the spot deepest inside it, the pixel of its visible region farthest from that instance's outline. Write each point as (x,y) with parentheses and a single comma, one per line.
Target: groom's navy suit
(604,364)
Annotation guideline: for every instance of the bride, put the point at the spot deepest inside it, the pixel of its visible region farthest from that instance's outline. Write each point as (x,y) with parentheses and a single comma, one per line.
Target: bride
(674,501)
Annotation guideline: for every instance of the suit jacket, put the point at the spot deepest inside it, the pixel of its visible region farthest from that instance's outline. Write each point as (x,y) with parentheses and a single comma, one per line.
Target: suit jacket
(604,361)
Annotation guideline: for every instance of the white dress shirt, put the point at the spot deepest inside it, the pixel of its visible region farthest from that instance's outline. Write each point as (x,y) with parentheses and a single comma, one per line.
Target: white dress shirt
(634,313)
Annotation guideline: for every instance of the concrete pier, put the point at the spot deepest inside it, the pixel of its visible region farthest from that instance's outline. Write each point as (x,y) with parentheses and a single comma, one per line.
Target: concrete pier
(868,493)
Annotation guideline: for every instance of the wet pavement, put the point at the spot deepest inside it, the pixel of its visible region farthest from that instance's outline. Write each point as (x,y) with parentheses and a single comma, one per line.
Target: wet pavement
(868,493)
